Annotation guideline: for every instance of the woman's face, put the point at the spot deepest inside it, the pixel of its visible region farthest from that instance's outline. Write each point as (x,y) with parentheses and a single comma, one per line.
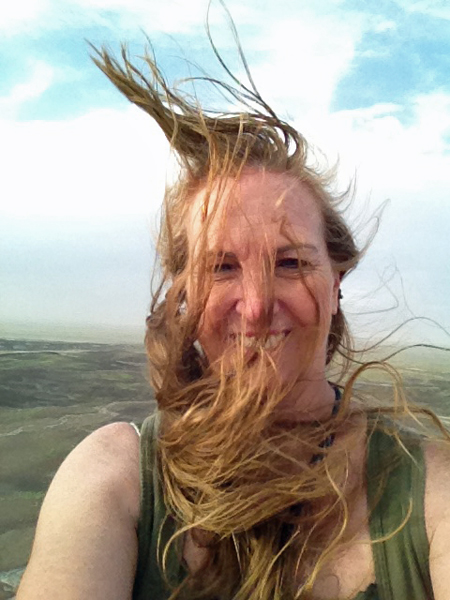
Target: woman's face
(270,272)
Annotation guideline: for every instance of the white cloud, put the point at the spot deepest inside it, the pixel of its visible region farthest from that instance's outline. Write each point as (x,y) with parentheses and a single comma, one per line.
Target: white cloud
(433,117)
(388,154)
(308,52)
(170,16)
(40,79)
(21,14)
(409,164)
(383,26)
(434,8)
(106,162)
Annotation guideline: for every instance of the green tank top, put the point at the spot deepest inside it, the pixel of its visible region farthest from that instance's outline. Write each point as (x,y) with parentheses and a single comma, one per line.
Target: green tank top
(396,488)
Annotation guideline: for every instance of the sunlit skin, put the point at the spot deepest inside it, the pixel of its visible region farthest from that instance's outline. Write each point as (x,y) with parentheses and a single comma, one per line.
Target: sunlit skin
(268,219)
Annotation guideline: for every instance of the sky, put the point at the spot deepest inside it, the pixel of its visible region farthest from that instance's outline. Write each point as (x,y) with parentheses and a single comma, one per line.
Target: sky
(83,171)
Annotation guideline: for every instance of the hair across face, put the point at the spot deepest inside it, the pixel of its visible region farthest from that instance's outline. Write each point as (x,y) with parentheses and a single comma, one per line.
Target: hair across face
(271,285)
(213,147)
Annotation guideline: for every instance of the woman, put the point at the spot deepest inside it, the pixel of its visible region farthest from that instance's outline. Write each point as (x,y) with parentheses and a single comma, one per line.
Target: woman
(258,478)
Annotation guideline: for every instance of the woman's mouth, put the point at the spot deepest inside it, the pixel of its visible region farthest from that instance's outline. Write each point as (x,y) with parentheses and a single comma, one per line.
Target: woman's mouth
(249,340)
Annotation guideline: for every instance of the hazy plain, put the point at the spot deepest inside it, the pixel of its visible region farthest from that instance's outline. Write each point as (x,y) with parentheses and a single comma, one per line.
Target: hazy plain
(52,394)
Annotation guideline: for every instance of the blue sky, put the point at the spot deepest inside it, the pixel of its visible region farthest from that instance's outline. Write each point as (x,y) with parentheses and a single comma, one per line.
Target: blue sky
(83,171)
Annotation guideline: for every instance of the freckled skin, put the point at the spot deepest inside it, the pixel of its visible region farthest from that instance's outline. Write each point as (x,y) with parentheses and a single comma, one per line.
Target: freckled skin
(258,219)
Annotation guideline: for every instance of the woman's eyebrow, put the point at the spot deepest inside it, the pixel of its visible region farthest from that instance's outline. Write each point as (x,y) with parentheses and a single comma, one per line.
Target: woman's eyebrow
(299,246)
(226,255)
(220,255)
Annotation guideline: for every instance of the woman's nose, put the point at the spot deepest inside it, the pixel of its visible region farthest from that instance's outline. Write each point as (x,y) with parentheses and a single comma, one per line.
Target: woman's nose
(255,303)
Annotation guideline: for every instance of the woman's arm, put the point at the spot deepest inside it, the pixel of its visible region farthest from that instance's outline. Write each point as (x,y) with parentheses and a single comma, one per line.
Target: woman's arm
(85,545)
(437,514)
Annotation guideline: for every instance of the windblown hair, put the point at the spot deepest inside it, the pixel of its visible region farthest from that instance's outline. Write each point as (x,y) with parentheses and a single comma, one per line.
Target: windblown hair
(268,520)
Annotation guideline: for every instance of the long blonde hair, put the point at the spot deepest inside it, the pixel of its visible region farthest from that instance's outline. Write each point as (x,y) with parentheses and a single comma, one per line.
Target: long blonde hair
(268,518)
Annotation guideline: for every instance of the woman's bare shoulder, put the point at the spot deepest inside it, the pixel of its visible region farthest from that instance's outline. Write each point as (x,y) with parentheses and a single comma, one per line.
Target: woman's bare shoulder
(437,514)
(86,544)
(115,448)
(437,489)
(106,462)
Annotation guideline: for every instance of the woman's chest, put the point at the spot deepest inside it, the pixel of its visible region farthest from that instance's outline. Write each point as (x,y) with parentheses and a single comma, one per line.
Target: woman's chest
(350,566)
(348,570)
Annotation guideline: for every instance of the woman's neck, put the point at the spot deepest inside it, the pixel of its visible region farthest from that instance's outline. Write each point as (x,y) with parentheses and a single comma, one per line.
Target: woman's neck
(307,401)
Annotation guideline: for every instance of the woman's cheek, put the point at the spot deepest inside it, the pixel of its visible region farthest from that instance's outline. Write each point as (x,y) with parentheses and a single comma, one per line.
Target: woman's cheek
(212,329)
(300,301)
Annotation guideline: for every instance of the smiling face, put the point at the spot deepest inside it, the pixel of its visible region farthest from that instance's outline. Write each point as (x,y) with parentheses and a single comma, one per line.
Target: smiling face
(272,282)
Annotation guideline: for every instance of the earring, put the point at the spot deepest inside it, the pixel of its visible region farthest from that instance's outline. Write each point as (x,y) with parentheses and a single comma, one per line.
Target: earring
(199,348)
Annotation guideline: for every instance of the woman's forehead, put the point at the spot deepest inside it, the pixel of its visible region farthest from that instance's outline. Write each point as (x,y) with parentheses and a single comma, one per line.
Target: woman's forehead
(257,205)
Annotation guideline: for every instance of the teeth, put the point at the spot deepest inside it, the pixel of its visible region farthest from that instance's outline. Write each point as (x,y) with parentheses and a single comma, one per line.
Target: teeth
(272,341)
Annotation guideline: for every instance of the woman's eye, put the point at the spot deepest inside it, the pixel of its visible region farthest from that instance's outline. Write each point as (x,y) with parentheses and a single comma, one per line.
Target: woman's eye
(288,263)
(223,267)
(293,264)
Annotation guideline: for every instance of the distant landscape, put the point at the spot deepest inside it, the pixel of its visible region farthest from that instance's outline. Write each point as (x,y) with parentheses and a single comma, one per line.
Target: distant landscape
(53,393)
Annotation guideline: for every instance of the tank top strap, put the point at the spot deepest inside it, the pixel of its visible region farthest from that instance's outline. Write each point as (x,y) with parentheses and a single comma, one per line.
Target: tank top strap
(396,488)
(155,526)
